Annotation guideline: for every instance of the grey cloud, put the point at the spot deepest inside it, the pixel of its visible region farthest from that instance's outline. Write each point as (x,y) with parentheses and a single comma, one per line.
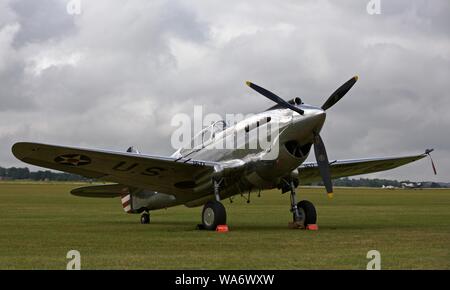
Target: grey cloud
(141,62)
(41,20)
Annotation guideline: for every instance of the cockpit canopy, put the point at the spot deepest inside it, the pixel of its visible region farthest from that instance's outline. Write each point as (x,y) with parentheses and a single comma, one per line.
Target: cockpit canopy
(205,136)
(209,133)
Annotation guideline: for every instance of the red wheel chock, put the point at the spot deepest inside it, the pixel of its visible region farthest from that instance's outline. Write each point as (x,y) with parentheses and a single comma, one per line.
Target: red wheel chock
(312,227)
(222,228)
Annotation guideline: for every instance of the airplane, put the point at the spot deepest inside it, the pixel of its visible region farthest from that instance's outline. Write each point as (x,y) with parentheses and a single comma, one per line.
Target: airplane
(411,185)
(388,187)
(205,176)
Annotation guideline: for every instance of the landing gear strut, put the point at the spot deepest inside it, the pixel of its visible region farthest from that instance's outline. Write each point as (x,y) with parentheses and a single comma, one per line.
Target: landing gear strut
(303,213)
(213,213)
(145,218)
(297,213)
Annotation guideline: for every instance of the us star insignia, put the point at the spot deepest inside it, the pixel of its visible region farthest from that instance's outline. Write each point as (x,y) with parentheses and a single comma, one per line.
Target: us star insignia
(73,159)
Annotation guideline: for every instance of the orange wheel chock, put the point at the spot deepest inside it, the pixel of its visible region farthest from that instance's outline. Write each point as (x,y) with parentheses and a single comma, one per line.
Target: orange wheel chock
(312,227)
(222,228)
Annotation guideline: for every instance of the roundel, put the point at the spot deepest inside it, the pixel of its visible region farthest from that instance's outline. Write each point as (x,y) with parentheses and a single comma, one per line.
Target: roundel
(73,159)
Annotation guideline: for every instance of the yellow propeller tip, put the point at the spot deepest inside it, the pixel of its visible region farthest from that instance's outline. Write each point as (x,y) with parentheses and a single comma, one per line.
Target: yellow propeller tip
(330,195)
(356,78)
(248,83)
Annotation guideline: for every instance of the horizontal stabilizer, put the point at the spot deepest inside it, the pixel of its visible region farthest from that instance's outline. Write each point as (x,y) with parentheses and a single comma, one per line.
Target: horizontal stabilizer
(109,190)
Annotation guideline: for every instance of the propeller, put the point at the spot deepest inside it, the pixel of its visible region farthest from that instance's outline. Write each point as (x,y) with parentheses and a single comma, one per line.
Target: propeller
(427,152)
(324,165)
(319,146)
(274,98)
(339,93)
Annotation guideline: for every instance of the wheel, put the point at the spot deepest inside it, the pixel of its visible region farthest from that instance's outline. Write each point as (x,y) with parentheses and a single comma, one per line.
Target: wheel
(213,214)
(309,210)
(145,218)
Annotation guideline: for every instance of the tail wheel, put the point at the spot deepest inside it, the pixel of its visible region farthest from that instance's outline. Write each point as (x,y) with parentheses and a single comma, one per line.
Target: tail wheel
(145,218)
(213,214)
(309,210)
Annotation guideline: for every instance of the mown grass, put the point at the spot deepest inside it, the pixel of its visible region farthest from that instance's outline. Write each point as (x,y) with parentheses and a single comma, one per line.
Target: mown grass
(41,222)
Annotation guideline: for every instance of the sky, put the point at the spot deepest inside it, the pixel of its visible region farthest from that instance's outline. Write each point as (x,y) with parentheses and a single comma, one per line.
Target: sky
(116,73)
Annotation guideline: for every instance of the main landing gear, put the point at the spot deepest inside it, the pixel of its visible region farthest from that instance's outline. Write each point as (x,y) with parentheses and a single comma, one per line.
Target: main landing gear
(303,213)
(145,218)
(213,213)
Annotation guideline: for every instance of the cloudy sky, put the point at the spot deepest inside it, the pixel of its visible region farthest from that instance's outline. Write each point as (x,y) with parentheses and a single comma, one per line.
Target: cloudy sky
(115,74)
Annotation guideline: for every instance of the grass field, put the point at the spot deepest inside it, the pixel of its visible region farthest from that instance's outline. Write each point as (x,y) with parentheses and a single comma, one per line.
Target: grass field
(40,223)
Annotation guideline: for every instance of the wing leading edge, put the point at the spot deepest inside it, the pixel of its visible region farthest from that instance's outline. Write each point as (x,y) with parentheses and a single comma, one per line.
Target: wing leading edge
(309,172)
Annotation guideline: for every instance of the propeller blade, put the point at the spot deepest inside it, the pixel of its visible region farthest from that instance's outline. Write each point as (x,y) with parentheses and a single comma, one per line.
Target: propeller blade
(324,165)
(428,151)
(339,93)
(274,98)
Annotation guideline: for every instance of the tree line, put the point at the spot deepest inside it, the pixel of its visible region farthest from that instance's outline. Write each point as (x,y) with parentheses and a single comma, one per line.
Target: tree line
(24,173)
(377,182)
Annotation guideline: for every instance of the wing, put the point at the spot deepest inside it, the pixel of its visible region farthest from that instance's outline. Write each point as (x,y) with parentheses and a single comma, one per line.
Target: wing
(156,173)
(309,172)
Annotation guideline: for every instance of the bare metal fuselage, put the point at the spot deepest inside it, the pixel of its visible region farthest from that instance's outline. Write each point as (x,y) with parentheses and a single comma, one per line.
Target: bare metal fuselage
(291,141)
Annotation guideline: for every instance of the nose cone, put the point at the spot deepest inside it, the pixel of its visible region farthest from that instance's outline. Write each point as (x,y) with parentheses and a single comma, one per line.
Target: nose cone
(313,118)
(316,117)
(304,125)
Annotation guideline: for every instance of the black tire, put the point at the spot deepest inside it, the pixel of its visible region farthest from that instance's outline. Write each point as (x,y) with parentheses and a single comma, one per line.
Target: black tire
(309,210)
(145,218)
(213,214)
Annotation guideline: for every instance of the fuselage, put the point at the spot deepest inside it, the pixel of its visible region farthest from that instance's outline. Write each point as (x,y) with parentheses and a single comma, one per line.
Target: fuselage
(289,138)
